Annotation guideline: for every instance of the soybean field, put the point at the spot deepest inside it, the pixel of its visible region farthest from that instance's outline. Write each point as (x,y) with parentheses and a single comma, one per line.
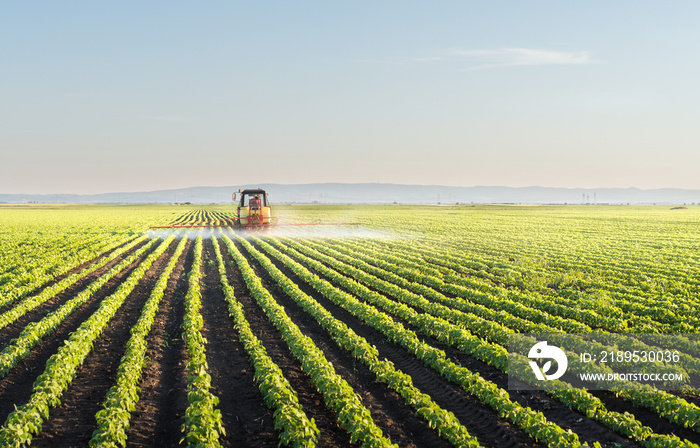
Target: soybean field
(393,333)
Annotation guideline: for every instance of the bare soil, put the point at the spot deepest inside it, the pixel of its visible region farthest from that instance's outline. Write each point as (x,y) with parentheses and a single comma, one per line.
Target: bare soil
(16,387)
(73,421)
(158,417)
(70,272)
(248,422)
(480,420)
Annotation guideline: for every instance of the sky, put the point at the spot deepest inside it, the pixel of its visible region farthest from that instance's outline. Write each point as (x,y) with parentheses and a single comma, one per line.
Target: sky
(127,96)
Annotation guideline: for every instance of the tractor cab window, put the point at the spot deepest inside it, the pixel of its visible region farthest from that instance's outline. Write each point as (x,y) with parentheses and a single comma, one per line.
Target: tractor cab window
(253,201)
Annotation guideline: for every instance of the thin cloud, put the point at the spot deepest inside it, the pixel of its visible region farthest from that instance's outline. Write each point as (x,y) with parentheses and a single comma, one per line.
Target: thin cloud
(512,57)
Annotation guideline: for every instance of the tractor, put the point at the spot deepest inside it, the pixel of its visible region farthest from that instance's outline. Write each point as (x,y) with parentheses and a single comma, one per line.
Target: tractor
(253,210)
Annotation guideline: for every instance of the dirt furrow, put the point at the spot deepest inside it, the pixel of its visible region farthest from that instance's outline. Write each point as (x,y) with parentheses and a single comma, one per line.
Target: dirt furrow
(310,399)
(397,420)
(38,313)
(73,421)
(247,421)
(162,402)
(16,387)
(58,278)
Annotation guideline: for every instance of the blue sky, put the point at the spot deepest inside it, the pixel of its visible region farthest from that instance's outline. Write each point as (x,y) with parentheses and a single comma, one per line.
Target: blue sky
(132,96)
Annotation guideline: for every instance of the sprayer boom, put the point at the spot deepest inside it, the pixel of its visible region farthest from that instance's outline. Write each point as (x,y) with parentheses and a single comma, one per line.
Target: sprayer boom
(253,213)
(257,227)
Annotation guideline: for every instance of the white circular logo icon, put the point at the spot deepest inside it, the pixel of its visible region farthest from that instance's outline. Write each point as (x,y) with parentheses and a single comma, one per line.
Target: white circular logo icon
(543,351)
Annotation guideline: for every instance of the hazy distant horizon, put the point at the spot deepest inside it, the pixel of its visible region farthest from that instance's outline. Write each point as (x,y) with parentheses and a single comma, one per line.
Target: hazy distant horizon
(235,188)
(374,193)
(133,96)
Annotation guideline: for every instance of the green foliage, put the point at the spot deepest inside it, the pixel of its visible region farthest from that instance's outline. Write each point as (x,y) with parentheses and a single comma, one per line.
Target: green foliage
(296,428)
(113,420)
(531,422)
(466,276)
(60,370)
(34,332)
(203,423)
(436,324)
(337,393)
(444,422)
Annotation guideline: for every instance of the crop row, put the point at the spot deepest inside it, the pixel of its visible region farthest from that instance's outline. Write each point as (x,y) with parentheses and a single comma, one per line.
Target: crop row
(398,270)
(296,429)
(32,302)
(639,309)
(531,422)
(461,339)
(527,311)
(54,262)
(617,280)
(203,423)
(405,274)
(669,406)
(414,259)
(569,251)
(411,275)
(337,393)
(26,420)
(444,422)
(204,217)
(395,274)
(38,244)
(34,332)
(113,419)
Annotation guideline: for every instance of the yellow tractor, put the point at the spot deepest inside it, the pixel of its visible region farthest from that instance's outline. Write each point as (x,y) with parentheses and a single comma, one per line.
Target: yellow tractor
(253,210)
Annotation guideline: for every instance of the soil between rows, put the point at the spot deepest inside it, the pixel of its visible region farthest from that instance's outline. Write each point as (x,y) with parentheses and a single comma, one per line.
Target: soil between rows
(16,387)
(246,419)
(162,402)
(58,278)
(73,421)
(480,420)
(331,435)
(397,421)
(555,411)
(588,430)
(38,313)
(559,413)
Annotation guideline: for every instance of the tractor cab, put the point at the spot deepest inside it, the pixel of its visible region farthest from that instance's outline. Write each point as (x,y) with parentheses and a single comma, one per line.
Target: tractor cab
(253,209)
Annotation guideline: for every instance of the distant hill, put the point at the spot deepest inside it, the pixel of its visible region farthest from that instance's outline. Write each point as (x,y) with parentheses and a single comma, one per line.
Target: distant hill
(337,193)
